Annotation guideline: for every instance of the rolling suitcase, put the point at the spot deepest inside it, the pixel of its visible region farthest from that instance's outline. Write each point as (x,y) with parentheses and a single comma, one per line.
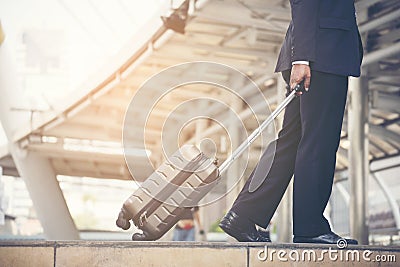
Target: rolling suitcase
(179,184)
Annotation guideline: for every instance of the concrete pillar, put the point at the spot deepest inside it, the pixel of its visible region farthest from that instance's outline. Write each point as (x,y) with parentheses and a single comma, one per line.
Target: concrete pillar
(358,158)
(35,169)
(283,220)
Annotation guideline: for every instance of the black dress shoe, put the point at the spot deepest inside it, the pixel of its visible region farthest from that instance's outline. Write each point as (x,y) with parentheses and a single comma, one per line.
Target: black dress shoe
(243,230)
(328,238)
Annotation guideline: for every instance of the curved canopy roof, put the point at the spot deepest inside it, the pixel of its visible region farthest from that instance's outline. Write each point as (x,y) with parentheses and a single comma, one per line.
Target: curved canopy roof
(83,138)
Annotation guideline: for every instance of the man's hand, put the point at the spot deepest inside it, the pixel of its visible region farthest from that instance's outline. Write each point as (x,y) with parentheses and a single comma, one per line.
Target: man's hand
(299,73)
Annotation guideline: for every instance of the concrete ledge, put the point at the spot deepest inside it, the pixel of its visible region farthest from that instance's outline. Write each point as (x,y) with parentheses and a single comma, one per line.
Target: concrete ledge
(110,253)
(16,254)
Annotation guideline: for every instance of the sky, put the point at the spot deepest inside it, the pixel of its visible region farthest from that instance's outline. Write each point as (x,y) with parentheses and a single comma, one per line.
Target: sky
(78,37)
(58,45)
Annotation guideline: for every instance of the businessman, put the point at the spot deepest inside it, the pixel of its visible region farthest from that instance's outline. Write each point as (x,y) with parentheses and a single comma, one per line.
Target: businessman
(322,48)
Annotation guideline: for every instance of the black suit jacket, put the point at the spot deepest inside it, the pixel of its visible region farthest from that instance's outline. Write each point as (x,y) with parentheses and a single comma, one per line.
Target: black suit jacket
(325,33)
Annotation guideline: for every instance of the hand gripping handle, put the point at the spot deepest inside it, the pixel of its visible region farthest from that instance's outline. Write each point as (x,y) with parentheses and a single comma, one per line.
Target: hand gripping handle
(257,132)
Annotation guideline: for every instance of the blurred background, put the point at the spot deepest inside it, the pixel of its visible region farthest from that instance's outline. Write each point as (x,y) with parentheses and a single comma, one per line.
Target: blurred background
(68,70)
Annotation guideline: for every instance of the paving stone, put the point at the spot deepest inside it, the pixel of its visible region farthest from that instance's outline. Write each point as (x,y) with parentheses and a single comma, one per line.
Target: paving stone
(23,256)
(151,256)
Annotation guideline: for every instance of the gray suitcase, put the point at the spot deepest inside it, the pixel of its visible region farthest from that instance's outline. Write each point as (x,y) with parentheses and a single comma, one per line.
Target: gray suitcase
(179,184)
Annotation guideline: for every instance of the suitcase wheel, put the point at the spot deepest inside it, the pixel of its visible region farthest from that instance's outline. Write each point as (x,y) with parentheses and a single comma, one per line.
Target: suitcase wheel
(139,237)
(122,222)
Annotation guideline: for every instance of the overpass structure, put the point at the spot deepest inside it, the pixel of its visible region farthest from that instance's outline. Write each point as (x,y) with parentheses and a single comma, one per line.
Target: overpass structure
(83,136)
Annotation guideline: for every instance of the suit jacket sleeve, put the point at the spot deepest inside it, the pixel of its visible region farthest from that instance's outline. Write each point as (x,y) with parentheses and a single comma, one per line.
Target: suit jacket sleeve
(304,31)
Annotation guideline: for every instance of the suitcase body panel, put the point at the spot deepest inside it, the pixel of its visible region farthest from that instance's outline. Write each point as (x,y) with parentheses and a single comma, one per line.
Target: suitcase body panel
(161,182)
(175,186)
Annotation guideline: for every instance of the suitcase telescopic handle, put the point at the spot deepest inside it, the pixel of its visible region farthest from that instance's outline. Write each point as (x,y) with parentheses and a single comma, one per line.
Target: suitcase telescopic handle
(257,132)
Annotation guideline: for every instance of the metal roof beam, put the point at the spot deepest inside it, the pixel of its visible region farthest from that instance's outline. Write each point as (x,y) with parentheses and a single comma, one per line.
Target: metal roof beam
(384,133)
(364,4)
(380,54)
(243,21)
(373,24)
(388,102)
(191,45)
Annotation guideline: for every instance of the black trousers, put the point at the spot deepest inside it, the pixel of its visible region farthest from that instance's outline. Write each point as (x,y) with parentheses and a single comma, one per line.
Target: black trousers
(306,147)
